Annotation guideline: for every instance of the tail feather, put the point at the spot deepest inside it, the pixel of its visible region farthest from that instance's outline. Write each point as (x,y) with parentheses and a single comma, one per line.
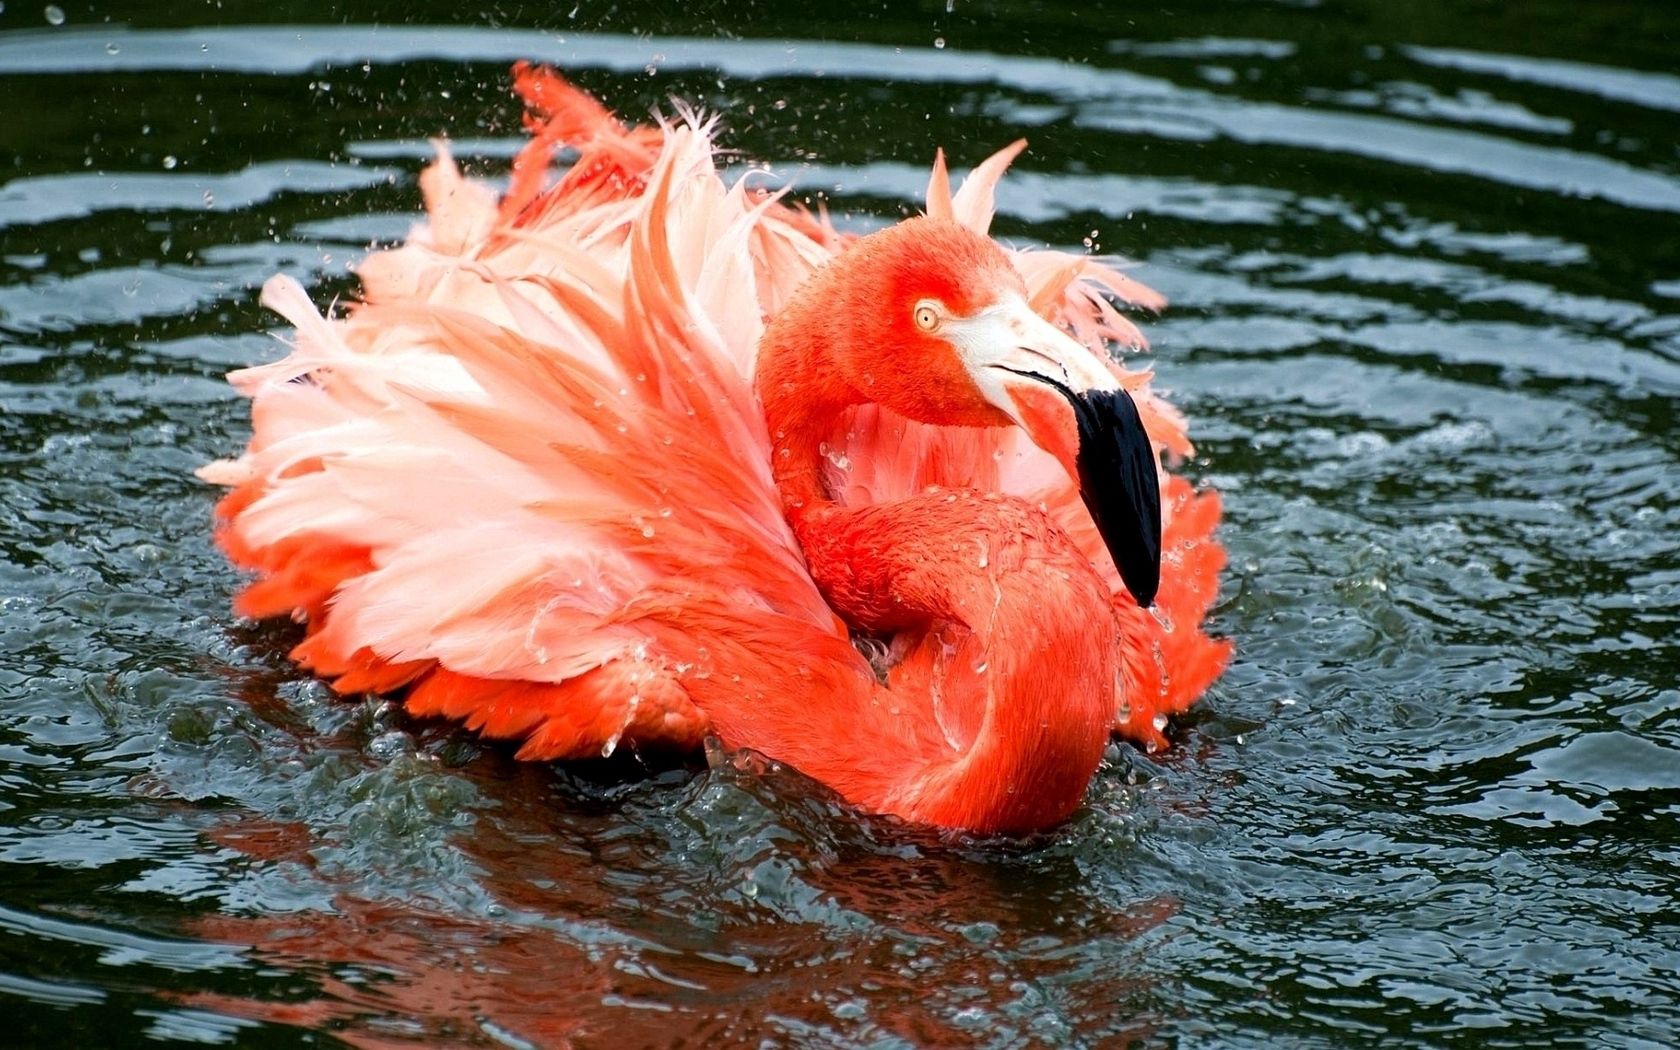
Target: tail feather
(1168,659)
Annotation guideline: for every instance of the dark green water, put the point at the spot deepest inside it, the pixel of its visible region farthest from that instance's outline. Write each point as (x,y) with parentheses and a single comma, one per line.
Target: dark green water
(1425,268)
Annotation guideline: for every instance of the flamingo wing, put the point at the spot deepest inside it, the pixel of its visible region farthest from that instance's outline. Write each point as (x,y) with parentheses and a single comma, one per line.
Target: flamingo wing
(534,446)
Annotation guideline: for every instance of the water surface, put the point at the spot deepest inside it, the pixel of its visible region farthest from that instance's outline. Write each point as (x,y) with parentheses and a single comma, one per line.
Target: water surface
(1425,273)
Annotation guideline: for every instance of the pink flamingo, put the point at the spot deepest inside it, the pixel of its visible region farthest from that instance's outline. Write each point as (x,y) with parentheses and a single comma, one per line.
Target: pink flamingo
(642,456)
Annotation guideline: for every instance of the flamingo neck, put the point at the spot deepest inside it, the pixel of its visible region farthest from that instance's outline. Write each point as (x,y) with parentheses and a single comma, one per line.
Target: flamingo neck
(997,716)
(802,397)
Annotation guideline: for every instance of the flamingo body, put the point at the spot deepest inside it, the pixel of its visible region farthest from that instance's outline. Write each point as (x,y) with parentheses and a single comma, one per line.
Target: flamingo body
(635,457)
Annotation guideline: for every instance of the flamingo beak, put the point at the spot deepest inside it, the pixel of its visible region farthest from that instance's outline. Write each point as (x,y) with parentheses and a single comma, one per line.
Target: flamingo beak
(1071,405)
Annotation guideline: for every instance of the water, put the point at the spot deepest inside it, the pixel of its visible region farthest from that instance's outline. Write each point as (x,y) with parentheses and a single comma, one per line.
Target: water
(1425,272)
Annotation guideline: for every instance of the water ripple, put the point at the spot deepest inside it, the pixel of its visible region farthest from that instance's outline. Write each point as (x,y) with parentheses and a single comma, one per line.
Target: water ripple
(1424,321)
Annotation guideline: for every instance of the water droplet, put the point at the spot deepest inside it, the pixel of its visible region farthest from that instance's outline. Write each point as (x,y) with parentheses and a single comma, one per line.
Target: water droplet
(1160,723)
(939,43)
(210,202)
(55,15)
(389,745)
(112,49)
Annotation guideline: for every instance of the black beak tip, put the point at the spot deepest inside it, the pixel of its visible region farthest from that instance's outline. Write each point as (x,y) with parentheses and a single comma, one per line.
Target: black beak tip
(1120,486)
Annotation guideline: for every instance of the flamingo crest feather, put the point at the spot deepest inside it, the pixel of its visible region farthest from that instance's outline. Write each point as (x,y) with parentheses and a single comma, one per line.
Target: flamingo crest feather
(634,457)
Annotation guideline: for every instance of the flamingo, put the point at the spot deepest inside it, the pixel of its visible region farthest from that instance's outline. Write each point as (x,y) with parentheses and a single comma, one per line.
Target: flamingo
(642,457)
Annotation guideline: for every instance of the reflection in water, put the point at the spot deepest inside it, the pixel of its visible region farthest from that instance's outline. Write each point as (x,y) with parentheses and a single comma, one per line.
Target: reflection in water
(1426,316)
(793,923)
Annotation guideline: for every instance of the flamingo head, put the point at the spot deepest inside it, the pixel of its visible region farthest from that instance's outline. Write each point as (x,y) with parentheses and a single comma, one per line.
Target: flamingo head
(934,324)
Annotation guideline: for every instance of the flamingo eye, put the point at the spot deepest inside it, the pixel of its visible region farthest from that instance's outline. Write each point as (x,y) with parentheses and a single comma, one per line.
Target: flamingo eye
(927,316)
